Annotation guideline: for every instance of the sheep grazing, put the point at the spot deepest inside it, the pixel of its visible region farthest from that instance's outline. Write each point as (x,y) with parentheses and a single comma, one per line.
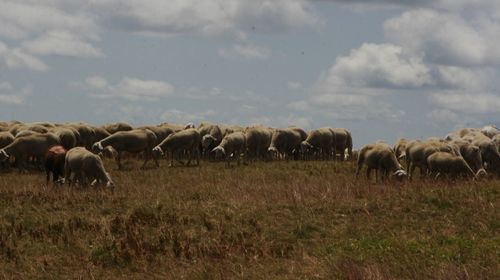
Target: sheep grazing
(132,141)
(258,139)
(233,145)
(83,166)
(442,163)
(380,157)
(286,142)
(321,141)
(489,153)
(33,146)
(418,151)
(54,163)
(343,143)
(109,152)
(471,154)
(400,148)
(211,136)
(176,143)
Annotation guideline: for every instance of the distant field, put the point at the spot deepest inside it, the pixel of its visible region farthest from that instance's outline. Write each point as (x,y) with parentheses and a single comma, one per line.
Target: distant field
(279,220)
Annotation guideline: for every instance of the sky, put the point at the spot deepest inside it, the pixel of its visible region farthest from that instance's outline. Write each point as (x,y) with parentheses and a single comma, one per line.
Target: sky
(381,68)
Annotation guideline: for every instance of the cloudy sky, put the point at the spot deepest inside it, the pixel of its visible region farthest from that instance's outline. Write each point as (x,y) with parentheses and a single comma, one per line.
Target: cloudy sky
(382,68)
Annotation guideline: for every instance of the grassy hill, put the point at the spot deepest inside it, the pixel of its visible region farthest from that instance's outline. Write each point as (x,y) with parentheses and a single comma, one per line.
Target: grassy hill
(279,220)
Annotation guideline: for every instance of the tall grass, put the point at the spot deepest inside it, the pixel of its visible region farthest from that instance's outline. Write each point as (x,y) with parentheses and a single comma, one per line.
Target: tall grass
(279,220)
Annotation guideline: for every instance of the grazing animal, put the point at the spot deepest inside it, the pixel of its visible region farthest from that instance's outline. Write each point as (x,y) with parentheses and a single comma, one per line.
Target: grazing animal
(286,142)
(258,139)
(84,166)
(54,163)
(185,140)
(443,163)
(132,141)
(211,136)
(400,148)
(342,142)
(471,154)
(418,151)
(380,157)
(233,144)
(321,141)
(33,146)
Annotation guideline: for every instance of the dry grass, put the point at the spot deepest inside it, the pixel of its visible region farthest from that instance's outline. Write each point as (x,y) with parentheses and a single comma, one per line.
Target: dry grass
(295,220)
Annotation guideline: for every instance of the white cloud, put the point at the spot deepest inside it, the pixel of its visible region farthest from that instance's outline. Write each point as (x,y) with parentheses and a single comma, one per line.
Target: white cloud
(20,19)
(446,38)
(443,116)
(378,66)
(350,89)
(468,103)
(472,79)
(72,28)
(12,96)
(224,95)
(293,85)
(205,18)
(246,51)
(17,58)
(300,105)
(61,43)
(128,88)
(96,82)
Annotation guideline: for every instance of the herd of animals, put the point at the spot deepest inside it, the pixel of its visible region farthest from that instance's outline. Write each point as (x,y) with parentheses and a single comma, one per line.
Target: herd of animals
(73,152)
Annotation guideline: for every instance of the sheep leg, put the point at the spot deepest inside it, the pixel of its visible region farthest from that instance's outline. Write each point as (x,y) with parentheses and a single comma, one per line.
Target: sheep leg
(189,158)
(198,155)
(48,176)
(179,156)
(119,160)
(172,159)
(359,165)
(146,159)
(412,169)
(368,171)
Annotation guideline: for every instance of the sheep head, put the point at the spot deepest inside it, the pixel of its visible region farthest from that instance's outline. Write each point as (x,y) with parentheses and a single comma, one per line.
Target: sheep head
(305,146)
(219,151)
(400,175)
(97,147)
(158,152)
(207,140)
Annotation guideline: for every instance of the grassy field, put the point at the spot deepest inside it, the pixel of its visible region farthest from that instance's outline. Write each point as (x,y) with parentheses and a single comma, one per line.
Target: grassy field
(279,220)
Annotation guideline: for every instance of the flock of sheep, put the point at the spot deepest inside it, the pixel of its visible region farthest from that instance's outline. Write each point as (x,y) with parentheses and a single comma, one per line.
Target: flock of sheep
(467,152)
(72,152)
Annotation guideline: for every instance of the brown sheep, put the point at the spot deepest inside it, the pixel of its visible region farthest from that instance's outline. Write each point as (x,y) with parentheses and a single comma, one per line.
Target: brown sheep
(54,163)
